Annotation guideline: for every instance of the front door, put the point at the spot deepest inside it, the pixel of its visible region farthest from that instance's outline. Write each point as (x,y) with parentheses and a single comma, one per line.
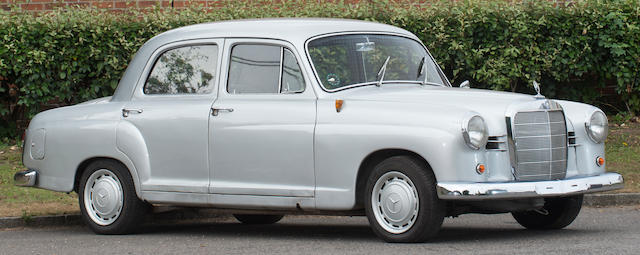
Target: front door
(170,111)
(262,123)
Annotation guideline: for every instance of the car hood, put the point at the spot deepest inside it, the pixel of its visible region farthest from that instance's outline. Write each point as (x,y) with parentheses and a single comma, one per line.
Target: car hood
(493,106)
(478,100)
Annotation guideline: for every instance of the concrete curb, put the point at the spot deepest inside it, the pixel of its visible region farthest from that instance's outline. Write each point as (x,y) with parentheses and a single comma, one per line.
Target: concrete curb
(40,221)
(210,215)
(182,215)
(602,200)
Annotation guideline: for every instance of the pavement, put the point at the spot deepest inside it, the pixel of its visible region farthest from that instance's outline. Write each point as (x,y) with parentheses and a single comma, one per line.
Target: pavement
(590,200)
(610,230)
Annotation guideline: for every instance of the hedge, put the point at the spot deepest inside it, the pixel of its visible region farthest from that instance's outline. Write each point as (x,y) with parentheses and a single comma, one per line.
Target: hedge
(585,51)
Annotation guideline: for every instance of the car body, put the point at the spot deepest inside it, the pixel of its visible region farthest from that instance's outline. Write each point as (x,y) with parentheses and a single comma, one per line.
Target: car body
(308,143)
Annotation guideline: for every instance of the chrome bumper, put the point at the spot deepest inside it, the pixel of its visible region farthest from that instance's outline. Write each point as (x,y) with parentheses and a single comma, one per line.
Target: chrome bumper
(509,190)
(25,178)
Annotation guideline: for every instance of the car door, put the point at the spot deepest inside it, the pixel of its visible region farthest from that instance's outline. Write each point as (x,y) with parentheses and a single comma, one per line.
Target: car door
(170,109)
(262,124)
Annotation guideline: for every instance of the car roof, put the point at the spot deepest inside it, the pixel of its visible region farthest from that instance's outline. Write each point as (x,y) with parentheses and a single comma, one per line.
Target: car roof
(294,30)
(289,29)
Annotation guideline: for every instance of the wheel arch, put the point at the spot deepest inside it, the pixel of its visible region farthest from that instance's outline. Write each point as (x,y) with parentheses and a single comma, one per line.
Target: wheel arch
(85,163)
(367,164)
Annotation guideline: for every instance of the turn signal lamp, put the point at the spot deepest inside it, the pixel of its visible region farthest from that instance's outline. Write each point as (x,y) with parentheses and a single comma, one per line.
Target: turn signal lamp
(480,168)
(339,103)
(599,161)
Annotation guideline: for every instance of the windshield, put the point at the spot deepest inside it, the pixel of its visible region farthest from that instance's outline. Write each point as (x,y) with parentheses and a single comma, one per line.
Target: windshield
(356,59)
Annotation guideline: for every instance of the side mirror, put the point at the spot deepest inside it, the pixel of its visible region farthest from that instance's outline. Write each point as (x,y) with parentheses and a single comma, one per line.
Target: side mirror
(465,84)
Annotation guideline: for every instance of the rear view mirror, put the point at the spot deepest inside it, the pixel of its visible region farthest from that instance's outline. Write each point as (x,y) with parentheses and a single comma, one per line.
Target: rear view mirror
(365,46)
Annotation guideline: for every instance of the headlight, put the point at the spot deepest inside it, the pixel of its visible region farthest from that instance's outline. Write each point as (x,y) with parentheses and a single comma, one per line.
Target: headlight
(597,126)
(474,132)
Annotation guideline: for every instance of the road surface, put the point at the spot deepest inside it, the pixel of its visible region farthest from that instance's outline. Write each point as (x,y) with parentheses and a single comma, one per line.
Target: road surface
(613,230)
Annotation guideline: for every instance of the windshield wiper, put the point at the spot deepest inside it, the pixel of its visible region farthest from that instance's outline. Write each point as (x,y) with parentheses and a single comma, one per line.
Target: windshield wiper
(421,70)
(383,70)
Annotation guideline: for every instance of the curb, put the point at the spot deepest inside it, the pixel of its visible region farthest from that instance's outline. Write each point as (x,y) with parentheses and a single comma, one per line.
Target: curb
(40,221)
(200,215)
(182,215)
(602,200)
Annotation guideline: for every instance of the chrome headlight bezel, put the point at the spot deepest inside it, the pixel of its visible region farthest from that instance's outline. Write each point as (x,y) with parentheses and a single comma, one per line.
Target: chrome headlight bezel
(474,131)
(597,126)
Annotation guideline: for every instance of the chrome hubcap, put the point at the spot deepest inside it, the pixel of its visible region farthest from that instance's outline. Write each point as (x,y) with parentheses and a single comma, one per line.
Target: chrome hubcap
(103,197)
(395,202)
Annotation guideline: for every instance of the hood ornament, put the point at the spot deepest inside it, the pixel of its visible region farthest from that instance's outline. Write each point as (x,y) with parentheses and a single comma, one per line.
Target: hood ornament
(536,86)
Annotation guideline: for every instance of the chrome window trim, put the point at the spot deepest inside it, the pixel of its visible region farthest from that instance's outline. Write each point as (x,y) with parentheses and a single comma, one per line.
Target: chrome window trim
(285,49)
(142,81)
(269,42)
(315,73)
(279,71)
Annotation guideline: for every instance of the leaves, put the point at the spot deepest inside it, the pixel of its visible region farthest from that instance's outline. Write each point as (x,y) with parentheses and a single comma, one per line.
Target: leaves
(575,50)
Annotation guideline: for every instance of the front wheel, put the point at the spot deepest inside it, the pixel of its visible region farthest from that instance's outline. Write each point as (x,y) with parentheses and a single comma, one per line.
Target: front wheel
(401,202)
(108,200)
(557,213)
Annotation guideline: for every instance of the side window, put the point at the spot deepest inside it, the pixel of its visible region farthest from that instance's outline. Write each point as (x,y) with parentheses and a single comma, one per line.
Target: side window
(257,68)
(292,79)
(184,70)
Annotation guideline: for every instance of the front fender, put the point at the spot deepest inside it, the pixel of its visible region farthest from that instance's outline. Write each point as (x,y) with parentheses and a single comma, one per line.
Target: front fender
(343,140)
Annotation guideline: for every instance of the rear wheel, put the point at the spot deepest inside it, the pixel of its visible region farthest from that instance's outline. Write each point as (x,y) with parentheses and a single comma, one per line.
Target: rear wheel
(401,202)
(557,213)
(108,200)
(258,218)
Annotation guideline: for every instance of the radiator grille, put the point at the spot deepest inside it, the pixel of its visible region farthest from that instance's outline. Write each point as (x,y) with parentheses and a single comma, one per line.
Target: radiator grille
(540,140)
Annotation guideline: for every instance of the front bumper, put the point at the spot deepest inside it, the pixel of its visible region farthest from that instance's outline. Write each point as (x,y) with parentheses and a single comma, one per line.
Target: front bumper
(512,190)
(26,178)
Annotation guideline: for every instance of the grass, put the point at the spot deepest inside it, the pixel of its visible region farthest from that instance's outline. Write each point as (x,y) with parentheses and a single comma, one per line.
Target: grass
(622,154)
(27,202)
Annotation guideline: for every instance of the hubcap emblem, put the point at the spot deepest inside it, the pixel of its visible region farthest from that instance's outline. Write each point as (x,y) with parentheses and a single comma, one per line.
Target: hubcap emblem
(102,197)
(393,204)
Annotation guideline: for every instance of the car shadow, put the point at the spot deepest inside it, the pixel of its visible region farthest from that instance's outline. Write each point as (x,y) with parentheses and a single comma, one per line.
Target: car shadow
(349,232)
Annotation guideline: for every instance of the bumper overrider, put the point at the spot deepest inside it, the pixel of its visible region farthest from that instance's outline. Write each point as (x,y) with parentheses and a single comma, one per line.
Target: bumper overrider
(529,189)
(25,178)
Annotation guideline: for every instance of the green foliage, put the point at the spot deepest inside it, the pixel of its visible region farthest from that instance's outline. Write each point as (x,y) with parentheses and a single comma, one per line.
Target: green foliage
(575,49)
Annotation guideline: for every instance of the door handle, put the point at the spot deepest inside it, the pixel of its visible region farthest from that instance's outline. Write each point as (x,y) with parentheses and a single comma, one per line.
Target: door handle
(126,111)
(215,111)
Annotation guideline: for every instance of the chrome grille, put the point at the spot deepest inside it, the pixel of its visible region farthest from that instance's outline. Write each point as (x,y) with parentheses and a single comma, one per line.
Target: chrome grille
(540,140)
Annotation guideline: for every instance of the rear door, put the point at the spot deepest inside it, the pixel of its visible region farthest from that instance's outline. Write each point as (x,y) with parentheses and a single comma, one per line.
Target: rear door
(170,109)
(262,124)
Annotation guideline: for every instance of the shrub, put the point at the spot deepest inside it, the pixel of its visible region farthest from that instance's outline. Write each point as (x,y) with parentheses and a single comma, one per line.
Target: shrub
(577,50)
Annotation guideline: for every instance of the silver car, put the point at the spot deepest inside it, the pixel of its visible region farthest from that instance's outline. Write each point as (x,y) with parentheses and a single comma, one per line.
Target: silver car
(277,116)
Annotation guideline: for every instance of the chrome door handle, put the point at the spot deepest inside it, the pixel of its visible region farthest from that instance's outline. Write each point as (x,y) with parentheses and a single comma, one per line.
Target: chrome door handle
(126,111)
(215,111)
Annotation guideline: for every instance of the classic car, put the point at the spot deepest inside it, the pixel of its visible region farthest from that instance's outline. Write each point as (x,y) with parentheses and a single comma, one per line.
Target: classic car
(315,116)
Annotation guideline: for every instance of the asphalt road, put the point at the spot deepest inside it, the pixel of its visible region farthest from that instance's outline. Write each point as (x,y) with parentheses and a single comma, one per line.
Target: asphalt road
(596,231)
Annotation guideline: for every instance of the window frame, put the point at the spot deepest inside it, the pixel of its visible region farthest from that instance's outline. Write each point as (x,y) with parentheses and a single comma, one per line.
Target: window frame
(281,66)
(444,78)
(159,51)
(304,83)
